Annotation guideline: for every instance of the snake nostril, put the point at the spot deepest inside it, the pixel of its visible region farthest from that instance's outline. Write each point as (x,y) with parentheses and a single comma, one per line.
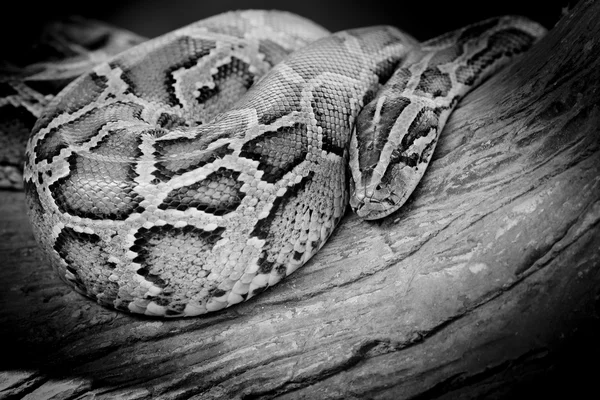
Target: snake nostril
(378,187)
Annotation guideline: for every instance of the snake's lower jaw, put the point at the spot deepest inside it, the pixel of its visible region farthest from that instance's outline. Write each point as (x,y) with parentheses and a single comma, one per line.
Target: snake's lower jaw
(379,198)
(379,204)
(368,211)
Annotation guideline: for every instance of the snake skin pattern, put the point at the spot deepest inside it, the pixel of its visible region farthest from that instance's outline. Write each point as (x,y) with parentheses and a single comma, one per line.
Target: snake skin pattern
(195,170)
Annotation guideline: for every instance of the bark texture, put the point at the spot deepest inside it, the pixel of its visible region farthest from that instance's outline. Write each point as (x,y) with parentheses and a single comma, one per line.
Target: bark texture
(488,278)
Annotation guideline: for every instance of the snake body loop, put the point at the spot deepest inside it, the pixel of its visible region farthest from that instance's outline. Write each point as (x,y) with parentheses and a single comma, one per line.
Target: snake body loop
(195,170)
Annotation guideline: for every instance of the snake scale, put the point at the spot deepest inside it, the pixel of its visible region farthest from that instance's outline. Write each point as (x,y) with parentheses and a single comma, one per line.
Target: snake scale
(191,172)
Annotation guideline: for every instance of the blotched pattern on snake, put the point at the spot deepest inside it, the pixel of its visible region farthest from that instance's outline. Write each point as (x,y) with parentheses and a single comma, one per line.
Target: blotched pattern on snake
(195,170)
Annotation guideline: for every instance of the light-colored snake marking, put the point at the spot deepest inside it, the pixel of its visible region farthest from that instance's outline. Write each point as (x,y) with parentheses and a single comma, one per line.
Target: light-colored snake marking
(195,170)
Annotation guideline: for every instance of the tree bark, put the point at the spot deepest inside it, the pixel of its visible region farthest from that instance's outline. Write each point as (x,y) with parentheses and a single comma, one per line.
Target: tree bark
(485,281)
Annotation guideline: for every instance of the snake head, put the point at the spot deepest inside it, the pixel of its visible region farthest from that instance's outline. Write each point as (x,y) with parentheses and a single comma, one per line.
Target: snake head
(373,196)
(390,148)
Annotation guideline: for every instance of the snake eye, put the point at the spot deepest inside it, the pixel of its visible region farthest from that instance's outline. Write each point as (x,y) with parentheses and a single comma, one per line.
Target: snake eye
(395,157)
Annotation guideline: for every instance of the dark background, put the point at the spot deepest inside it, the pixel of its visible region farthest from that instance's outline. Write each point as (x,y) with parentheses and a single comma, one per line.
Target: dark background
(421,18)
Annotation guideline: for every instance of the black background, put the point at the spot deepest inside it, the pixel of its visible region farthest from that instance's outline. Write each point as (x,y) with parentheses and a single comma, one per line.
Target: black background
(421,18)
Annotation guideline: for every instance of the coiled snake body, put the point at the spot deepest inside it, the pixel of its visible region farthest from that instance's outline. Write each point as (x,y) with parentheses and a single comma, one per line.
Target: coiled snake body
(195,170)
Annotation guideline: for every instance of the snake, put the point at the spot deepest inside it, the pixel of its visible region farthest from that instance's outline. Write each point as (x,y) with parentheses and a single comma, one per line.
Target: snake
(193,171)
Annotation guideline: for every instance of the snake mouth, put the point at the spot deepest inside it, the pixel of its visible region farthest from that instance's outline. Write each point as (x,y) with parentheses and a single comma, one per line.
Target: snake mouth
(374,207)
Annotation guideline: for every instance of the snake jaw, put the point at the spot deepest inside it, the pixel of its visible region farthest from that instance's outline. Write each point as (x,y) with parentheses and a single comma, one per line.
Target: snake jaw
(370,210)
(374,208)
(374,203)
(380,197)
